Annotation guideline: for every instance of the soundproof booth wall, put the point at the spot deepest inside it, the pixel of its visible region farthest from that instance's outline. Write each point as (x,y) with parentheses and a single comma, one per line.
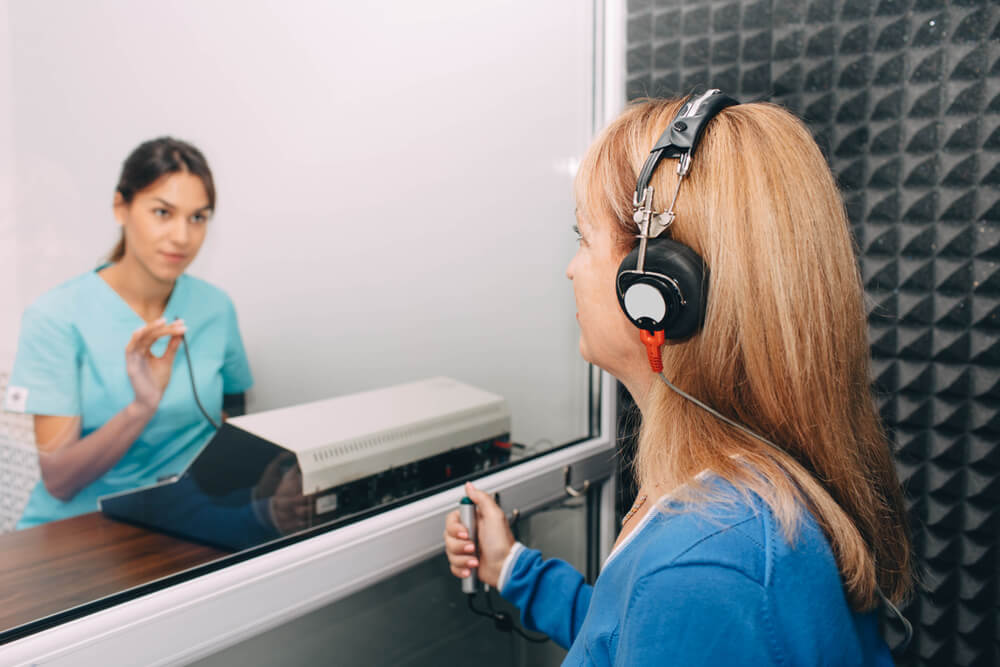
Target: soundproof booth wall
(904,98)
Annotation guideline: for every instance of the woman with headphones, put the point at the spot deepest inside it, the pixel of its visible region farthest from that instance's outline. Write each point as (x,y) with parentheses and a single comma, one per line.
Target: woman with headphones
(769,523)
(96,355)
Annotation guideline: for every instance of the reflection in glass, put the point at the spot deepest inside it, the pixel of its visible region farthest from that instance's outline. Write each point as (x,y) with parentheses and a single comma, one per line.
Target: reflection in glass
(279,472)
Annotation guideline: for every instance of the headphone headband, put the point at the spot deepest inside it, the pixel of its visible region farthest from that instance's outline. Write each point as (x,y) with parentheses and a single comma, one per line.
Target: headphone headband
(662,285)
(682,136)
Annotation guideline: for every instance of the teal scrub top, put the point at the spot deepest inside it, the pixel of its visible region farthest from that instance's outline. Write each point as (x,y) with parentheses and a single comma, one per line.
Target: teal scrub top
(71,361)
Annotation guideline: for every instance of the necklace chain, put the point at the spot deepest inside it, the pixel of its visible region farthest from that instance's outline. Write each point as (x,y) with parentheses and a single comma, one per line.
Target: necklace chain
(635,508)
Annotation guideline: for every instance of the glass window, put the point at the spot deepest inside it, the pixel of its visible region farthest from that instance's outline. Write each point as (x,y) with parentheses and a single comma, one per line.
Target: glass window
(387,206)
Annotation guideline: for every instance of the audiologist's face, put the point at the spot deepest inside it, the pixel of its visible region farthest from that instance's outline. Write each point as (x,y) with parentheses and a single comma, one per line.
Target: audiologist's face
(607,338)
(165,224)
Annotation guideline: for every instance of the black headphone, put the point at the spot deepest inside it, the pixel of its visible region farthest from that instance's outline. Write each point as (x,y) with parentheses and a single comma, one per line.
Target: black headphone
(662,285)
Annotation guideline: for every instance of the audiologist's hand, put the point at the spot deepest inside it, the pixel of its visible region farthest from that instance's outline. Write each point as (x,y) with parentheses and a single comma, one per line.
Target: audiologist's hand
(495,539)
(148,373)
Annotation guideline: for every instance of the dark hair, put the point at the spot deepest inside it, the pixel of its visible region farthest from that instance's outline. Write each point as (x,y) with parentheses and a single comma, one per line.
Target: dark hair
(150,161)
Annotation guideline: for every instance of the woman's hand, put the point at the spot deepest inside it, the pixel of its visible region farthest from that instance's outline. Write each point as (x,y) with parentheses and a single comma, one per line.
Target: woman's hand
(290,510)
(495,539)
(148,373)
(68,462)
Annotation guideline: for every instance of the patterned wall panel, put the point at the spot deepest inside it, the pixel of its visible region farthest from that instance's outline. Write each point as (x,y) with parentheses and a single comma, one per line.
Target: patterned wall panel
(904,98)
(18,463)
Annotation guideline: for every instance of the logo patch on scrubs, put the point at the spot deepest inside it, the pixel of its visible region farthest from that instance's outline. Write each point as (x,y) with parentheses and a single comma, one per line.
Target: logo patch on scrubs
(17,399)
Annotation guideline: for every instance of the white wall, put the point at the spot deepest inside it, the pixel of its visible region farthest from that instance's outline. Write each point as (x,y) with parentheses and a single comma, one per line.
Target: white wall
(394,178)
(10,304)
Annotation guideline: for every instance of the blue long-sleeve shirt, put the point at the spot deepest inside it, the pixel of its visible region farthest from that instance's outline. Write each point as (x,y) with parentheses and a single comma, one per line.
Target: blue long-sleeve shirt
(713,585)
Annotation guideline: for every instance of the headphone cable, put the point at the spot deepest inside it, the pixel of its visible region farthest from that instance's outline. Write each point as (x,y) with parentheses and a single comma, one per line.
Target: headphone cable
(907,626)
(503,621)
(194,389)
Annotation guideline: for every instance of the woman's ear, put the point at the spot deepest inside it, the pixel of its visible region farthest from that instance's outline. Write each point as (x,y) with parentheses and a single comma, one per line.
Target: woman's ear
(119,207)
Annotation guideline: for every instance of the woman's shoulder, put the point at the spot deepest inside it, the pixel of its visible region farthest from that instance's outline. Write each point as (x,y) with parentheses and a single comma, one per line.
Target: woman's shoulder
(726,528)
(204,290)
(735,529)
(61,302)
(724,566)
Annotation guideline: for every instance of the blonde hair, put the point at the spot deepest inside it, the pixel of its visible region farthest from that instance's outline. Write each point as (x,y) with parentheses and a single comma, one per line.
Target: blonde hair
(784,348)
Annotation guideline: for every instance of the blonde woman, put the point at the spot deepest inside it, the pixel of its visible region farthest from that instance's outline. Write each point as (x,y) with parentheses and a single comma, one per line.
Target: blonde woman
(736,552)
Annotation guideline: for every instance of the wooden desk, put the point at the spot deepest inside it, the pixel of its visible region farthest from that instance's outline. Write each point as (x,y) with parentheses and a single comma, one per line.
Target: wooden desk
(53,567)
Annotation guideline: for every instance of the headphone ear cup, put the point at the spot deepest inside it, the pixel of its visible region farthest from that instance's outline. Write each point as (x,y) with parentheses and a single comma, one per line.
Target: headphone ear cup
(670,294)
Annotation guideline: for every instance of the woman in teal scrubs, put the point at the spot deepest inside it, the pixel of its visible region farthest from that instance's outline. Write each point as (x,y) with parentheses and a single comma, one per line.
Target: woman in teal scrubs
(97,361)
